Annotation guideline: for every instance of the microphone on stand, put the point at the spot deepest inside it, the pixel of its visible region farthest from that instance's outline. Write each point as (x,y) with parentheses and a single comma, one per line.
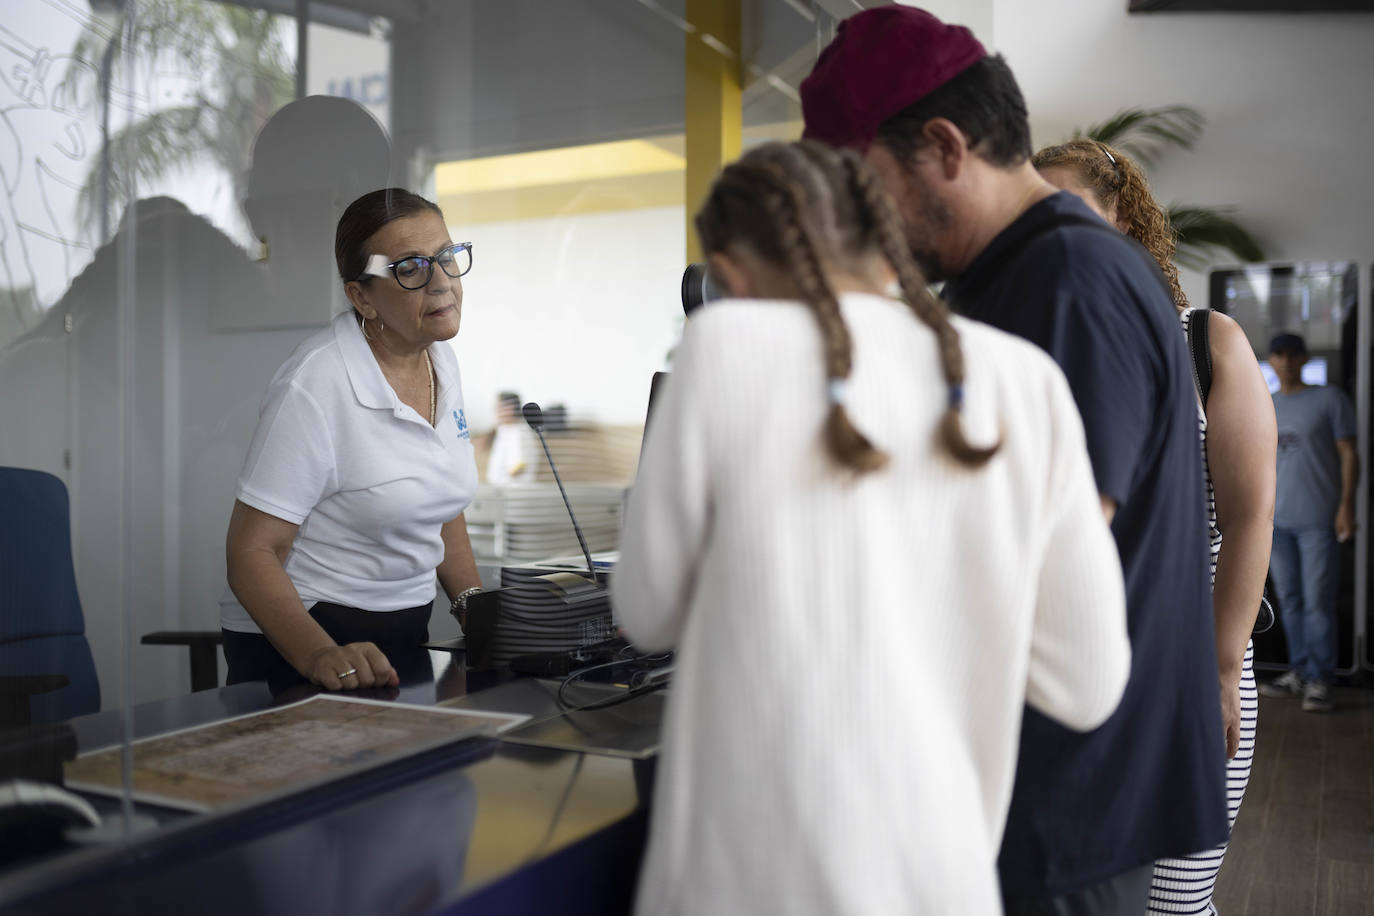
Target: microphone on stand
(534,416)
(571,586)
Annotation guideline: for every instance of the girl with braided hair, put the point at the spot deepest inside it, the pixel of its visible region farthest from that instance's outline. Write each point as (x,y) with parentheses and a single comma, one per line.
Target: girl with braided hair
(837,476)
(1239,445)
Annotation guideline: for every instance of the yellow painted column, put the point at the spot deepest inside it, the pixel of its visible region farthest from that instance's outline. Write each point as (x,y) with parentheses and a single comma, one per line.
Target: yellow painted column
(714,117)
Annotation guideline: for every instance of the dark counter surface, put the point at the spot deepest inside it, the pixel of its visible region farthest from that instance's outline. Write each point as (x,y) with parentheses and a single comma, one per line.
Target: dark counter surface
(470,825)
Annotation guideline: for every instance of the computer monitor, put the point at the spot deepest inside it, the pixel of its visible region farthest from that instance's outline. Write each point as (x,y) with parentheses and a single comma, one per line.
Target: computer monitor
(655,389)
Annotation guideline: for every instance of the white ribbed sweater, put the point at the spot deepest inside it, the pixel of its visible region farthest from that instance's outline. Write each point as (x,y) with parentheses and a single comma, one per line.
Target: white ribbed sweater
(854,655)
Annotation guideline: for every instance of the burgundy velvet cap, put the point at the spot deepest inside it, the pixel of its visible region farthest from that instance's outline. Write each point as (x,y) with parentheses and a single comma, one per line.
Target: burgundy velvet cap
(881,61)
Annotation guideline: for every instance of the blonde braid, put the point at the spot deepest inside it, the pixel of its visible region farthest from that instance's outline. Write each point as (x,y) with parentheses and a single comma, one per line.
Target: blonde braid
(849,446)
(927,308)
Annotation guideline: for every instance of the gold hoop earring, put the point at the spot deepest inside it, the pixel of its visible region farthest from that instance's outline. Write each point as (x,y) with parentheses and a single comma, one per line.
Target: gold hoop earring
(380,328)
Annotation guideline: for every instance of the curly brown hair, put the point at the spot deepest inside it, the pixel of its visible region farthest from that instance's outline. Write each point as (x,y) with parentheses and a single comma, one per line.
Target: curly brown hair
(1117,182)
(791,201)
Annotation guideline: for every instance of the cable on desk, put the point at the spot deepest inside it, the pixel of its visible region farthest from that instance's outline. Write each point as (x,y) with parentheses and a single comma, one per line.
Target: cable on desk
(629,694)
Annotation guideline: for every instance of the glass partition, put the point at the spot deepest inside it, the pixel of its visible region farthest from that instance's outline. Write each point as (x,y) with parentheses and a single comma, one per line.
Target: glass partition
(129,232)
(128,379)
(173,171)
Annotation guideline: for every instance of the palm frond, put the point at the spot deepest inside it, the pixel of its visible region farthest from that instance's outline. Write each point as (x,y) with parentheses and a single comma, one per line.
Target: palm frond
(1201,230)
(155,146)
(162,29)
(1143,132)
(243,71)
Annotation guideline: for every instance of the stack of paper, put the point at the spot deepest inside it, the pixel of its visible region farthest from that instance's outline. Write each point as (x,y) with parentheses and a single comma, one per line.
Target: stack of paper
(530,521)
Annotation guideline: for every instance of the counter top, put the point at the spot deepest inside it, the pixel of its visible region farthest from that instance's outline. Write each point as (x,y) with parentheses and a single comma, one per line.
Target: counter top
(463,827)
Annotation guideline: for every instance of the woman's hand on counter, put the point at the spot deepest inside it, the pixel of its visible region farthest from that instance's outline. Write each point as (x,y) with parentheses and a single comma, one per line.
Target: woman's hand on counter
(350,667)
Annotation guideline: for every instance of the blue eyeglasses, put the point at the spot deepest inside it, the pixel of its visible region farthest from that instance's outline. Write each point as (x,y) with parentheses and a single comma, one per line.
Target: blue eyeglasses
(416,272)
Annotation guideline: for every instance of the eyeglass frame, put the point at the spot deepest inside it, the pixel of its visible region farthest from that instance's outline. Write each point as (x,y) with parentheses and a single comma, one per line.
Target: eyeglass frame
(377,265)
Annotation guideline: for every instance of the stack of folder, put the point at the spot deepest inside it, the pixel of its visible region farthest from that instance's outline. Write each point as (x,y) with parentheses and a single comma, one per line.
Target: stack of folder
(528,522)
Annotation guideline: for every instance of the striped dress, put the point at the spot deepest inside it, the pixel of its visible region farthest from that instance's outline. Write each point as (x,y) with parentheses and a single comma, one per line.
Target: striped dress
(1185,885)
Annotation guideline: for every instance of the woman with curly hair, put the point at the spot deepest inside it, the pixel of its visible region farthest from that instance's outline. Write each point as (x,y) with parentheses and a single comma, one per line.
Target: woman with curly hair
(1239,440)
(1116,190)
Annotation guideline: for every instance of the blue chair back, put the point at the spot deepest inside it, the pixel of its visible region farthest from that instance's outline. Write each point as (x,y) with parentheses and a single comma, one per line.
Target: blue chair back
(42,630)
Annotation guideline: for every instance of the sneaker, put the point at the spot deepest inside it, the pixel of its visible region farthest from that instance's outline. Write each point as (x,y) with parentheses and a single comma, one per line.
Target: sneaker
(1285,685)
(1316,698)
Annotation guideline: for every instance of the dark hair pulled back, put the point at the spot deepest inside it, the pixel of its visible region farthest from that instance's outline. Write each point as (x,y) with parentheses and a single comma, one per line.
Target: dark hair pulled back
(362,220)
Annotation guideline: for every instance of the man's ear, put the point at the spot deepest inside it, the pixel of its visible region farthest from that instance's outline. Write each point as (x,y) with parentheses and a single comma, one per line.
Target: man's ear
(946,143)
(730,274)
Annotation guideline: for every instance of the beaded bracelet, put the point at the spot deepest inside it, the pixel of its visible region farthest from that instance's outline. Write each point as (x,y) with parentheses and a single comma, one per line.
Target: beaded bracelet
(460,600)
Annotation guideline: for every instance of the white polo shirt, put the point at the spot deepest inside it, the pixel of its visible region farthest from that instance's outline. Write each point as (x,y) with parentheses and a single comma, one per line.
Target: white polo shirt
(366,478)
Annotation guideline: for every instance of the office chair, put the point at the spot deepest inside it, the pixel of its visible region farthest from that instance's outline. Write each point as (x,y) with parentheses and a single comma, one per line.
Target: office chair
(47,673)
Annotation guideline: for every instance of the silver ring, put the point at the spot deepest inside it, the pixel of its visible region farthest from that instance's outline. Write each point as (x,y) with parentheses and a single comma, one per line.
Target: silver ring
(345,674)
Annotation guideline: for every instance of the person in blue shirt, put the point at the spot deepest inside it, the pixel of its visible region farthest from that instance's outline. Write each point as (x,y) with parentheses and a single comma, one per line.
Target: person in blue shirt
(945,126)
(1314,512)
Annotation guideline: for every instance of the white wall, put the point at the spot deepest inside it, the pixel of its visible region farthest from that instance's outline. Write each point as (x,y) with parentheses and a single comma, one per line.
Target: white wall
(1287,97)
(580,310)
(976,15)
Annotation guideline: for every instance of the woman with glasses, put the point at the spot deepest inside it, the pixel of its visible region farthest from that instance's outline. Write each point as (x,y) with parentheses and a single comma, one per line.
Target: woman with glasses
(1239,446)
(353,491)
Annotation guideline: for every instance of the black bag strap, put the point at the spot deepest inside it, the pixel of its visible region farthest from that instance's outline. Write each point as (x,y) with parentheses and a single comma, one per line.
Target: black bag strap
(1201,349)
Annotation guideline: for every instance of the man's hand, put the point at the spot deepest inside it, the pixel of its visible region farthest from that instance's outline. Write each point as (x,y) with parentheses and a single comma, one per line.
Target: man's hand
(1345,522)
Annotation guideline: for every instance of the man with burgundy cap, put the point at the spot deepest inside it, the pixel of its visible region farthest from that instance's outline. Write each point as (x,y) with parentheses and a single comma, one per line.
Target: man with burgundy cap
(945,125)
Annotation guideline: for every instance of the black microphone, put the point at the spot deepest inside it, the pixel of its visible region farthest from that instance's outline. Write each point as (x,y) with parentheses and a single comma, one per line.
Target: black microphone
(535,418)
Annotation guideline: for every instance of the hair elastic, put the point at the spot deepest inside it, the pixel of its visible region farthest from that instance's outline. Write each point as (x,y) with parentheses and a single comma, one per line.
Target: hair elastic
(838,390)
(956,396)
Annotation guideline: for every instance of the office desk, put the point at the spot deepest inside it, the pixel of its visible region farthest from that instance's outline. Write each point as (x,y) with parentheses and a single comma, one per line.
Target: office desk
(478,826)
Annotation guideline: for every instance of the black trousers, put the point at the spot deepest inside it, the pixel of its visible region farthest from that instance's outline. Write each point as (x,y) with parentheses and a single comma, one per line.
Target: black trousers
(400,635)
(1127,894)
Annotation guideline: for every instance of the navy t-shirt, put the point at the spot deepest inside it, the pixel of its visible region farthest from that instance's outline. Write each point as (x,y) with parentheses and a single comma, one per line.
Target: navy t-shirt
(1150,782)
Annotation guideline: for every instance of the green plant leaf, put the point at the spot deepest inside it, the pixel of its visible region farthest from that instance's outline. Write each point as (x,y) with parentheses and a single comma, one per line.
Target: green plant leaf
(1202,230)
(154,147)
(240,67)
(1143,133)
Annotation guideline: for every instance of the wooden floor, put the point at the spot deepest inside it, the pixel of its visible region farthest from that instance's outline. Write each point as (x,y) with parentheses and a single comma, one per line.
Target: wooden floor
(1304,838)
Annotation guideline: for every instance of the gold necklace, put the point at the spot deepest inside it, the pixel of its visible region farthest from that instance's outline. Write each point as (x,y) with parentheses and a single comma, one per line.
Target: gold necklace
(429,370)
